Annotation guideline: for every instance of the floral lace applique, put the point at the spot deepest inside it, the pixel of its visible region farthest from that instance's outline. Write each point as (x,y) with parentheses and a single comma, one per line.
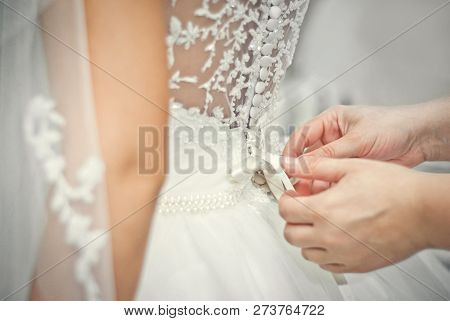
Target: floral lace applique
(228,57)
(43,131)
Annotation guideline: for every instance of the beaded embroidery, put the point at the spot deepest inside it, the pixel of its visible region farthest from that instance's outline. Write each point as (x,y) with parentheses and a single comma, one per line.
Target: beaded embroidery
(227,58)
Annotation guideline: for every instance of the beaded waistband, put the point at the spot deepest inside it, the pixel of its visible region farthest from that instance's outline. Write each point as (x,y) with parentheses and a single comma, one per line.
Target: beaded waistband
(198,203)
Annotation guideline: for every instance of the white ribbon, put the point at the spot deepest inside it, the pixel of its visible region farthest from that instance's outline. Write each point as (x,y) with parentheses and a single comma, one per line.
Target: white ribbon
(276,179)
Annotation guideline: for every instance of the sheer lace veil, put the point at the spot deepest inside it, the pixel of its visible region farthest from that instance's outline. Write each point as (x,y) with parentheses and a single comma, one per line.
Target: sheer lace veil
(53,214)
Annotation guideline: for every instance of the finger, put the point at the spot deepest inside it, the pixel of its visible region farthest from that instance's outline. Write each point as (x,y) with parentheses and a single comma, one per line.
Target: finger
(319,186)
(322,129)
(305,136)
(334,267)
(303,187)
(301,235)
(313,147)
(318,168)
(294,211)
(344,147)
(317,255)
(307,187)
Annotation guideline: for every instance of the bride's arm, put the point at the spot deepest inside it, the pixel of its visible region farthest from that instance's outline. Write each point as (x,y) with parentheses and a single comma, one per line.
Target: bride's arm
(126,42)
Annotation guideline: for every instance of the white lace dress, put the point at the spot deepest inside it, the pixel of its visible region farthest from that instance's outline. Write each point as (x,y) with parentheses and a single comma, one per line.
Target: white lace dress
(217,234)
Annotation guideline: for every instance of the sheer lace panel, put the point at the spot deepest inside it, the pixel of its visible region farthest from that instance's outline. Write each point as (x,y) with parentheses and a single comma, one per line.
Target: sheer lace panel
(227,57)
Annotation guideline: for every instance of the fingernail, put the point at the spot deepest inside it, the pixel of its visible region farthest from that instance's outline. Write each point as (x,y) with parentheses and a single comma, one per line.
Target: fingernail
(303,161)
(288,162)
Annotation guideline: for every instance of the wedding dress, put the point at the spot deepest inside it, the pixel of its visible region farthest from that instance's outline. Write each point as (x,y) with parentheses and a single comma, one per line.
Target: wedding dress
(217,234)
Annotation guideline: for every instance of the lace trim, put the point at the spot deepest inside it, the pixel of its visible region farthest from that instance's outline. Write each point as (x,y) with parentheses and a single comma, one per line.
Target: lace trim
(251,44)
(43,131)
(241,138)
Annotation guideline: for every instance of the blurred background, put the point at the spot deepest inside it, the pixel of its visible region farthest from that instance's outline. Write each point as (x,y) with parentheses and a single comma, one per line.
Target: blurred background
(337,35)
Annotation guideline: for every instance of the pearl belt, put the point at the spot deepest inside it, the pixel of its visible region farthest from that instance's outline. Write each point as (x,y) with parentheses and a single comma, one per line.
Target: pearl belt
(198,203)
(266,174)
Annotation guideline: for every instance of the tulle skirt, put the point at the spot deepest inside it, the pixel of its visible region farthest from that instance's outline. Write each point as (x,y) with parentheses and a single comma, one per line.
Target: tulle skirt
(239,253)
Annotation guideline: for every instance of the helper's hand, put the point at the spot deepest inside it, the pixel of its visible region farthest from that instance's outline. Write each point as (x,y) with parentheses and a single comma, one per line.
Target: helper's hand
(406,135)
(373,214)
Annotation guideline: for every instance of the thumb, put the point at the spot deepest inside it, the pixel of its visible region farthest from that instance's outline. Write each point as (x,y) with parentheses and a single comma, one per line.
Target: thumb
(318,168)
(343,147)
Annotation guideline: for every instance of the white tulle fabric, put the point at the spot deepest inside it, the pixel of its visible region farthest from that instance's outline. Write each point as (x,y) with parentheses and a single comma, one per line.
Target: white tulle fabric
(53,239)
(216,235)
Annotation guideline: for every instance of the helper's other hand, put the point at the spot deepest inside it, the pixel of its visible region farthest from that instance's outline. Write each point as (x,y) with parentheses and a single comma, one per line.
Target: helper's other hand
(407,135)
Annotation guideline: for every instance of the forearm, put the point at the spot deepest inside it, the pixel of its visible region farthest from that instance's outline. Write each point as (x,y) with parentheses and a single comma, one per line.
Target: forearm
(126,45)
(435,129)
(434,196)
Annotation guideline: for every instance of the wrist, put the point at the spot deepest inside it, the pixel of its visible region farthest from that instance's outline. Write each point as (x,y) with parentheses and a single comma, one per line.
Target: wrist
(434,133)
(434,209)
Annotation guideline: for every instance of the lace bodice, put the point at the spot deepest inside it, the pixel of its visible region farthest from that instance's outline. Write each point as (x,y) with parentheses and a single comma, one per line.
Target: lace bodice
(227,57)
